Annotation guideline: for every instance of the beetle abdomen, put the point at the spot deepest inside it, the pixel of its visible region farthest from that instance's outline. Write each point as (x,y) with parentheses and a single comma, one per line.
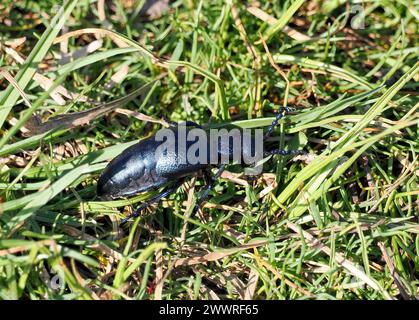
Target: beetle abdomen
(133,171)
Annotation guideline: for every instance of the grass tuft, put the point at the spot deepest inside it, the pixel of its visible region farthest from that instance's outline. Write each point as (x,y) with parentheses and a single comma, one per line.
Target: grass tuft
(81,82)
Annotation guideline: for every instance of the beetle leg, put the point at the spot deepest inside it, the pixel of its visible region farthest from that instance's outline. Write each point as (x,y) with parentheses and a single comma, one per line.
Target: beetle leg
(189,123)
(207,176)
(283,152)
(209,185)
(156,198)
(173,124)
(281,112)
(169,122)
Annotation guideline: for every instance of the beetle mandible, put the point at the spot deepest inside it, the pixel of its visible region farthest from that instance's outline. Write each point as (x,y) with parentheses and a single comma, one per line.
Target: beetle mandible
(139,168)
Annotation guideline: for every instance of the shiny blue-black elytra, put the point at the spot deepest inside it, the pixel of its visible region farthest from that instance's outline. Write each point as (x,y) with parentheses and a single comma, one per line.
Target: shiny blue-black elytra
(137,169)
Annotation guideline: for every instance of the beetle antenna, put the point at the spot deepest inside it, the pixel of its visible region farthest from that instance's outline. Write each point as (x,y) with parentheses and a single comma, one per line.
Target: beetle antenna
(283,152)
(281,113)
(146,204)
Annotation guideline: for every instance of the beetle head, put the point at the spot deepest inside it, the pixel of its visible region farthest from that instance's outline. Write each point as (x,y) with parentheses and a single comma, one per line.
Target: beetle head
(105,188)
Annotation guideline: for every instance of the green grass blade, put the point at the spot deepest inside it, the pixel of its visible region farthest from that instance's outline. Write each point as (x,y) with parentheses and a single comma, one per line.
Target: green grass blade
(10,96)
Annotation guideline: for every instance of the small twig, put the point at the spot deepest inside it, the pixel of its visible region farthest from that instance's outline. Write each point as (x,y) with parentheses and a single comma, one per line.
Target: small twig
(46,83)
(214,256)
(242,31)
(27,247)
(251,285)
(159,269)
(278,69)
(282,277)
(251,49)
(188,211)
(393,271)
(340,259)
(75,119)
(404,175)
(14,83)
(292,33)
(99,247)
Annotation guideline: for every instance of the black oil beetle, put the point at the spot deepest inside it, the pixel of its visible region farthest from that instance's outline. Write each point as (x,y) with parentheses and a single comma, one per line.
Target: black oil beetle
(139,168)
